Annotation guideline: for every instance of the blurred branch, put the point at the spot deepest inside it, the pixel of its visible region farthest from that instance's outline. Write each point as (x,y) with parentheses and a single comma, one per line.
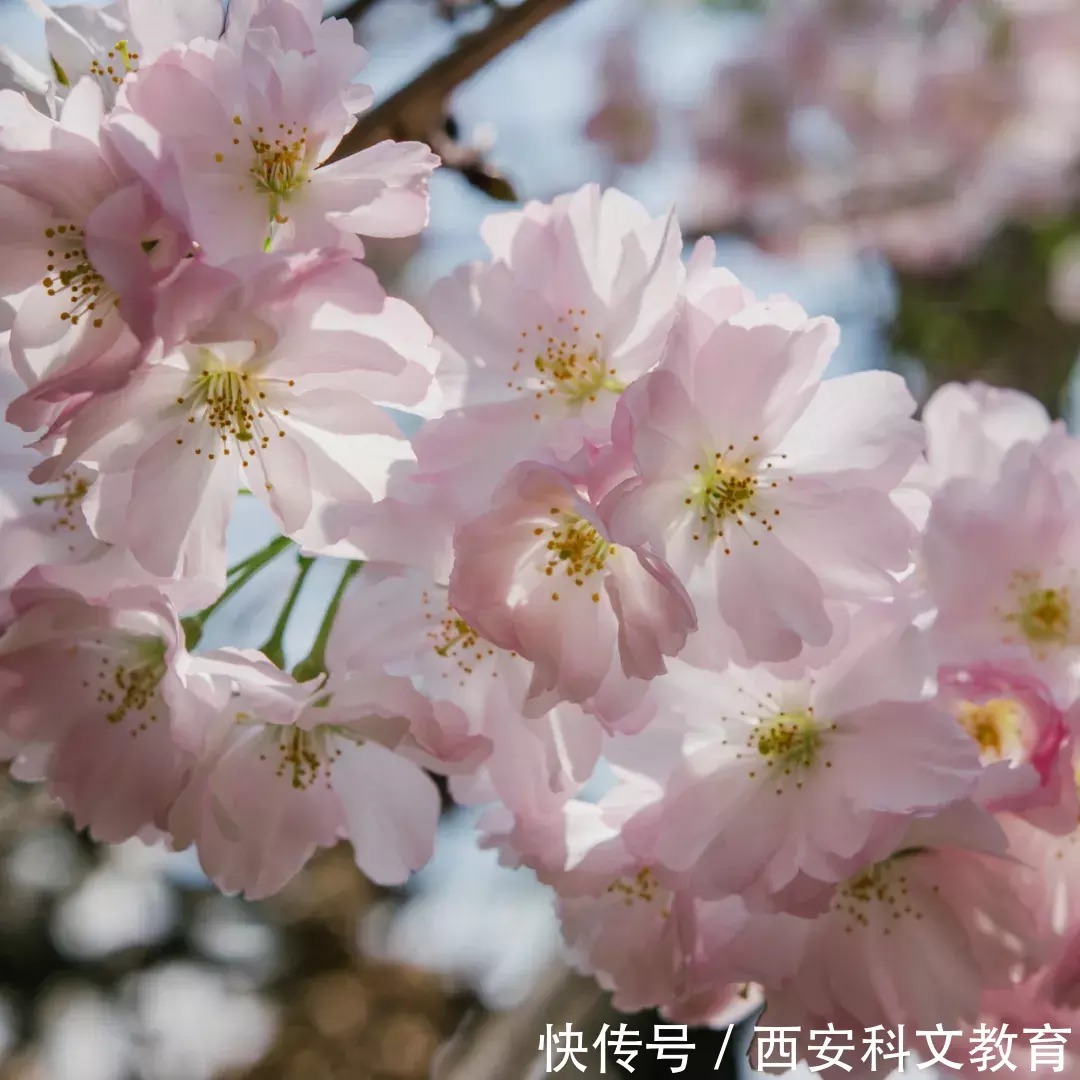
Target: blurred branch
(416,111)
(356,10)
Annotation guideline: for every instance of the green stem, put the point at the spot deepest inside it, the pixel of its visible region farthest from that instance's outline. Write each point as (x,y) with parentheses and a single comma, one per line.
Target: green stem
(240,575)
(278,544)
(315,662)
(273,650)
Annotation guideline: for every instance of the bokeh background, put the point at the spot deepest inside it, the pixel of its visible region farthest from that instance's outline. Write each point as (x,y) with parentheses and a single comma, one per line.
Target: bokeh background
(907,166)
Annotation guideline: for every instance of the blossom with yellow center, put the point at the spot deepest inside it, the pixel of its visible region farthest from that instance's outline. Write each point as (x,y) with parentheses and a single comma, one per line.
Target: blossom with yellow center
(575,548)
(725,491)
(125,687)
(567,362)
(642,888)
(1040,613)
(71,275)
(996,725)
(241,407)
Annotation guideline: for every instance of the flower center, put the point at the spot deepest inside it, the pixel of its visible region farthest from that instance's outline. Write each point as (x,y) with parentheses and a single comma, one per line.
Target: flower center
(567,363)
(238,406)
(280,167)
(1045,616)
(1041,615)
(117,63)
(996,725)
(281,163)
(304,756)
(790,743)
(71,275)
(789,740)
(452,638)
(65,501)
(641,888)
(879,896)
(128,685)
(576,547)
(727,489)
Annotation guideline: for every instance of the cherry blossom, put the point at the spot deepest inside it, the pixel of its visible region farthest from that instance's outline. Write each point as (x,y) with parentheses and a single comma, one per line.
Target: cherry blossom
(244,163)
(86,245)
(398,621)
(541,575)
(108,43)
(270,387)
(657,946)
(285,768)
(625,121)
(743,462)
(88,696)
(781,709)
(538,344)
(971,426)
(915,938)
(830,767)
(1023,739)
(1001,561)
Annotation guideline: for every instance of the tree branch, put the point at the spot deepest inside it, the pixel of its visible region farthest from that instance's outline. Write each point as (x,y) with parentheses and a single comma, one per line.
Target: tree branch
(416,110)
(356,10)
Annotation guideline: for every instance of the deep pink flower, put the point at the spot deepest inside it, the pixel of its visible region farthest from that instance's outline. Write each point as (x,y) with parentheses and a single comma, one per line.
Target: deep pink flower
(1023,739)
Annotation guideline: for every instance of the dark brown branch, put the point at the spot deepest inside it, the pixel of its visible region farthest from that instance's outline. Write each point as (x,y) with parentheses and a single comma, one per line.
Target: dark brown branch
(356,10)
(416,110)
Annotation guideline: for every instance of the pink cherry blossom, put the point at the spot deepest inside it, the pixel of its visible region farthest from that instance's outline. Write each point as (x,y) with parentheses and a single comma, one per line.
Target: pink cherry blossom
(88,694)
(271,386)
(971,426)
(43,528)
(243,163)
(744,461)
(1023,739)
(933,124)
(538,344)
(1002,559)
(291,25)
(655,946)
(398,621)
(914,939)
(286,768)
(784,786)
(108,43)
(542,576)
(85,247)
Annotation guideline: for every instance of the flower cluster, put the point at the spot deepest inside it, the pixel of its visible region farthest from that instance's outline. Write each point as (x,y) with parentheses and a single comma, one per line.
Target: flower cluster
(829,653)
(909,127)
